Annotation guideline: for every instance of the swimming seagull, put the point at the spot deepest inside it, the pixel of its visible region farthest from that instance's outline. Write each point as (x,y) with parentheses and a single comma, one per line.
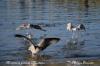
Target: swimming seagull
(43,44)
(28,25)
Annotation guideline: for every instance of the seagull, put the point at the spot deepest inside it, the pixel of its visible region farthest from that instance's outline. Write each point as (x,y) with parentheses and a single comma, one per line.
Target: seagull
(28,25)
(71,27)
(43,44)
(75,29)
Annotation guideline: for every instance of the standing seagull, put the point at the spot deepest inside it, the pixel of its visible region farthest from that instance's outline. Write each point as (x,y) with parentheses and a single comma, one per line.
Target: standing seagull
(28,25)
(43,44)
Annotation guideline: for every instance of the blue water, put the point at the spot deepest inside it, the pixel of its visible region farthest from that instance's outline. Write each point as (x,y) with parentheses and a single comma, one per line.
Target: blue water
(53,15)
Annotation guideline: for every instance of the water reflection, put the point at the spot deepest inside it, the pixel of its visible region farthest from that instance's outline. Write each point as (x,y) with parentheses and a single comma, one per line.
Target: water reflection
(86,3)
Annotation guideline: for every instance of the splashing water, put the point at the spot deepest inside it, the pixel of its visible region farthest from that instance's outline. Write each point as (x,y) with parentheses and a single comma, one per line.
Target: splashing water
(77,37)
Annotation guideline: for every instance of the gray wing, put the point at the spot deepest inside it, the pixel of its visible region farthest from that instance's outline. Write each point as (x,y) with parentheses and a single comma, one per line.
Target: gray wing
(44,43)
(37,27)
(28,39)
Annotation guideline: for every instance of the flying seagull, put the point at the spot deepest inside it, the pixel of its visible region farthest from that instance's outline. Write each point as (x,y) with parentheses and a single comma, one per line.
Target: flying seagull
(43,44)
(75,29)
(71,27)
(28,25)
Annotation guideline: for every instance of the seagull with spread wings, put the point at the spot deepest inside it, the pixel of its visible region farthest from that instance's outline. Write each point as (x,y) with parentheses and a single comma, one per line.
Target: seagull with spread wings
(75,29)
(28,25)
(79,27)
(42,45)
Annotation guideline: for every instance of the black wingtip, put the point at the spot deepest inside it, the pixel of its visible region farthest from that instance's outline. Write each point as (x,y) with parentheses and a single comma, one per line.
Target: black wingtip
(38,27)
(18,35)
(51,39)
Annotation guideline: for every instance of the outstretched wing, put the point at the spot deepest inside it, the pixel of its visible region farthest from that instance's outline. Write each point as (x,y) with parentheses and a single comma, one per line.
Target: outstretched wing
(22,36)
(70,26)
(81,27)
(44,43)
(37,27)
